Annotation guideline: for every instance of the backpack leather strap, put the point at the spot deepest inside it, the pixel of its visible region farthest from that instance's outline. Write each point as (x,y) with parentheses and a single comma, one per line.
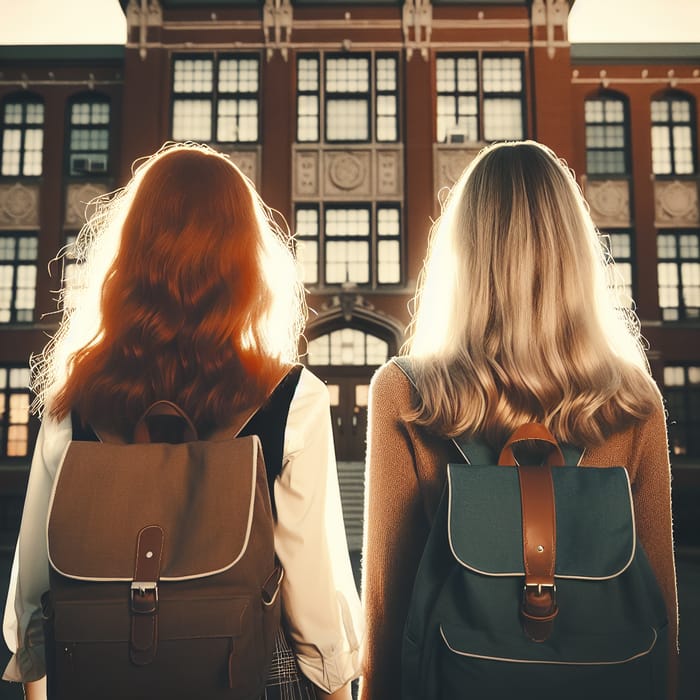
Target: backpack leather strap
(539,604)
(144,595)
(539,523)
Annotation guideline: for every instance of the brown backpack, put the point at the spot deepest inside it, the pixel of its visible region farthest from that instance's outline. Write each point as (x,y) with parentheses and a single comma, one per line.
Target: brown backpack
(163,577)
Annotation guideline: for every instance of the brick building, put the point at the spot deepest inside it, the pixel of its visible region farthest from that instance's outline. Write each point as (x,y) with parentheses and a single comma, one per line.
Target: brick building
(350,117)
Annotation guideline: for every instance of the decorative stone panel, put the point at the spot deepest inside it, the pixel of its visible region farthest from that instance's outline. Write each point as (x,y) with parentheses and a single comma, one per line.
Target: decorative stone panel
(19,206)
(449,163)
(306,168)
(249,164)
(79,206)
(347,173)
(366,173)
(676,203)
(609,201)
(389,173)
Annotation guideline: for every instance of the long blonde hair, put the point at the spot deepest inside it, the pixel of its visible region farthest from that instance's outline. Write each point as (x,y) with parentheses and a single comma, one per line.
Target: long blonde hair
(515,320)
(190,293)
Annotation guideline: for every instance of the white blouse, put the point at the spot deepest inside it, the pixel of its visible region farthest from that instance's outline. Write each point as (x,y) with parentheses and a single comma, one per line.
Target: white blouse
(319,597)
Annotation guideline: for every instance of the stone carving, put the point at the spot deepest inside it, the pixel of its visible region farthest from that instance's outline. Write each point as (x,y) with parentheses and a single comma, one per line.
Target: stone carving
(306,174)
(19,205)
(550,14)
(609,201)
(417,15)
(347,173)
(277,26)
(354,173)
(247,163)
(389,174)
(676,203)
(449,163)
(78,203)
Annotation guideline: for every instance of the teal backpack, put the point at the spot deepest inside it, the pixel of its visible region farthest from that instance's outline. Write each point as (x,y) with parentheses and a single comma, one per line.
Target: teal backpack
(533,584)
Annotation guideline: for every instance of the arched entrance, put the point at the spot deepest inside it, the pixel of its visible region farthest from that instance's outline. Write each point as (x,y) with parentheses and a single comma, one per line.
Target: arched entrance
(345,350)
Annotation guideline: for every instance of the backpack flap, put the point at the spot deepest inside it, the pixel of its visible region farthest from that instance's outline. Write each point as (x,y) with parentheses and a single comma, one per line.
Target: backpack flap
(595,541)
(200,494)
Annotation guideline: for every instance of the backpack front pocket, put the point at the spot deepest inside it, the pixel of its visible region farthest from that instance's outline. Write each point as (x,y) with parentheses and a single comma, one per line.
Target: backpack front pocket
(605,667)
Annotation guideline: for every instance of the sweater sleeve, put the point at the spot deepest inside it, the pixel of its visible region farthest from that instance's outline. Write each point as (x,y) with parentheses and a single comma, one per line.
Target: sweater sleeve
(650,473)
(395,533)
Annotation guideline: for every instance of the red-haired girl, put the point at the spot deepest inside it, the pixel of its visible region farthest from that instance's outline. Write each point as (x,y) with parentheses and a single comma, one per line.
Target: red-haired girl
(190,294)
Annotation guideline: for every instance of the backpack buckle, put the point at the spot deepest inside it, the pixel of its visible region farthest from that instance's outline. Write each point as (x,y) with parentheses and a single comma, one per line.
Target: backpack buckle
(144,597)
(540,586)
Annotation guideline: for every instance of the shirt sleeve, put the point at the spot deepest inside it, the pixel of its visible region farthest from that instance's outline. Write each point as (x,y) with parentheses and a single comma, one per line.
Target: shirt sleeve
(319,598)
(29,579)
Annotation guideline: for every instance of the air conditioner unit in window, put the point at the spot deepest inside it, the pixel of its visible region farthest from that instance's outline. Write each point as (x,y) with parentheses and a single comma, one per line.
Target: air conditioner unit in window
(457,134)
(89,164)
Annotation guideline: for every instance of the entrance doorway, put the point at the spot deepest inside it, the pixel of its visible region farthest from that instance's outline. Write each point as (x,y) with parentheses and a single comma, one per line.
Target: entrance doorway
(345,359)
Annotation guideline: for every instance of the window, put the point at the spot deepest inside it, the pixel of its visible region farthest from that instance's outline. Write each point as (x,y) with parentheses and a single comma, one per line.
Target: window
(607,140)
(215,98)
(359,94)
(14,411)
(18,254)
(679,275)
(462,97)
(617,246)
(682,393)
(348,346)
(359,244)
(71,279)
(672,136)
(88,138)
(22,137)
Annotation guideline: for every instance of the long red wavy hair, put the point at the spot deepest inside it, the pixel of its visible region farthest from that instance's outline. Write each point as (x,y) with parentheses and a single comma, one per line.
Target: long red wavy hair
(201,304)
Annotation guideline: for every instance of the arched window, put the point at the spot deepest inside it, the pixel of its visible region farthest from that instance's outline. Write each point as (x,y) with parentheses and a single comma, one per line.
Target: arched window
(673,136)
(607,135)
(347,346)
(88,135)
(22,135)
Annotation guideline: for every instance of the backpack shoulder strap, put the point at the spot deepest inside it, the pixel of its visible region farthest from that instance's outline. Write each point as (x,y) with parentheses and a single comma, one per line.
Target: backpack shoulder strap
(269,423)
(475,450)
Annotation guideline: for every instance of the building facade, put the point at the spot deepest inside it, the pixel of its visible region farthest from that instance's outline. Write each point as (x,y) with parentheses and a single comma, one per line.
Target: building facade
(352,118)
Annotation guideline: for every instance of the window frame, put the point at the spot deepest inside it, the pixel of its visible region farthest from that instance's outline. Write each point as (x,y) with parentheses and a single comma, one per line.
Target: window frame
(215,96)
(321,241)
(8,392)
(607,236)
(88,153)
(481,94)
(24,100)
(668,98)
(371,96)
(16,263)
(609,96)
(689,428)
(678,261)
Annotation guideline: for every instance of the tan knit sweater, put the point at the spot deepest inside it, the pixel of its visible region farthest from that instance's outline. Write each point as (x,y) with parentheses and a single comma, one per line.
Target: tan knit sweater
(406,471)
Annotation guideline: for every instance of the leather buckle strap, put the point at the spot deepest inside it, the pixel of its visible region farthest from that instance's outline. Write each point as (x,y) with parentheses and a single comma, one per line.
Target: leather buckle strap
(144,595)
(539,606)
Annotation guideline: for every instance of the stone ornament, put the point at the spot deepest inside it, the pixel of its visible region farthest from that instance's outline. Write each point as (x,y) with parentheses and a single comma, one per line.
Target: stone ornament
(347,172)
(306,174)
(366,173)
(450,164)
(78,203)
(19,206)
(389,173)
(676,203)
(609,201)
